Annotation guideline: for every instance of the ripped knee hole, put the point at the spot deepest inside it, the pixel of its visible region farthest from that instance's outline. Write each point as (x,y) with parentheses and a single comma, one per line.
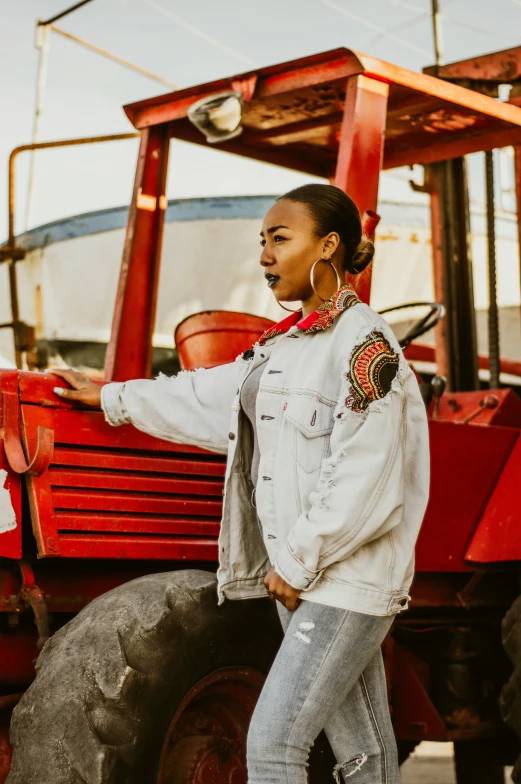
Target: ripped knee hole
(349,768)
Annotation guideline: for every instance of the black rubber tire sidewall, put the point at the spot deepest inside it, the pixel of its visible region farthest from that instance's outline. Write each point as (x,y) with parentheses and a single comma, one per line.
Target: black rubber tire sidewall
(110,681)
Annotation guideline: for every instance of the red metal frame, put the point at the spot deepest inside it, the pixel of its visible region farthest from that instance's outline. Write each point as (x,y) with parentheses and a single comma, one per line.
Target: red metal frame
(497,67)
(466,463)
(335,115)
(517,170)
(361,149)
(498,535)
(421,352)
(135,309)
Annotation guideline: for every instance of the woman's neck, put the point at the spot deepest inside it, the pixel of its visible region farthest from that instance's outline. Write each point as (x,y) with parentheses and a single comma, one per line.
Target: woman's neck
(310,305)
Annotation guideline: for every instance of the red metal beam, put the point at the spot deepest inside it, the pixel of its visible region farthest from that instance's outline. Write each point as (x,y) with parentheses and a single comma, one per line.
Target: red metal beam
(441,90)
(441,329)
(445,149)
(360,151)
(421,352)
(281,78)
(500,67)
(318,69)
(129,353)
(517,171)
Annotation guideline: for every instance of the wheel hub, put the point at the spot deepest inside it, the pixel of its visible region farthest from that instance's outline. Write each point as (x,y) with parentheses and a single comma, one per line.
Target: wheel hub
(206,740)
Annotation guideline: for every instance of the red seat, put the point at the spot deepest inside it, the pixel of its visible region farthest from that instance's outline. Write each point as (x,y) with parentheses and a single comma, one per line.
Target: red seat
(215,337)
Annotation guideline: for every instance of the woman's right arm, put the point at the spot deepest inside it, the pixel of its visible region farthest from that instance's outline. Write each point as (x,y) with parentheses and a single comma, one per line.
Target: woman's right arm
(190,408)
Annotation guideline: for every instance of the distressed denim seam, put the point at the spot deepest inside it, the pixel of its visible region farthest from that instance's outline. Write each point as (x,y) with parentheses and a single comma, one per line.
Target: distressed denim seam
(376,728)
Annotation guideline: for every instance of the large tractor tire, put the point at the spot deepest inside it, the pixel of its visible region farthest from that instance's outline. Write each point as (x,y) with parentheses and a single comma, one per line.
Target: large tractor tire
(510,701)
(152,683)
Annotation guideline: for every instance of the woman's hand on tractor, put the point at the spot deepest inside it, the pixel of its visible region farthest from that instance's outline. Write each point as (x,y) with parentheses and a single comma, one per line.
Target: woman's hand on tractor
(282,591)
(83,389)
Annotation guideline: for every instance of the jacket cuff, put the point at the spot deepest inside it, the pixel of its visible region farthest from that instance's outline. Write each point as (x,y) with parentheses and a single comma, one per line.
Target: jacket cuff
(111,403)
(293,571)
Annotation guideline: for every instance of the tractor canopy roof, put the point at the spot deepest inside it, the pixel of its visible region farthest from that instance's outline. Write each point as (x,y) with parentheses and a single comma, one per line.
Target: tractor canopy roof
(301,106)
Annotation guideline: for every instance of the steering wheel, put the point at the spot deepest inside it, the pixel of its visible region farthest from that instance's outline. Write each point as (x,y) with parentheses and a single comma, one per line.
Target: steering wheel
(423,325)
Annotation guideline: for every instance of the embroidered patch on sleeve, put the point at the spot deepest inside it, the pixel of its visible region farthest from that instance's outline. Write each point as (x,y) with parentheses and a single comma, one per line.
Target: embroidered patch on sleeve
(372,368)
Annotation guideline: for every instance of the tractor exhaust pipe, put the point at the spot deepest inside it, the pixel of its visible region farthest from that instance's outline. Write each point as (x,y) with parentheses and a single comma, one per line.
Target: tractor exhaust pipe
(370,221)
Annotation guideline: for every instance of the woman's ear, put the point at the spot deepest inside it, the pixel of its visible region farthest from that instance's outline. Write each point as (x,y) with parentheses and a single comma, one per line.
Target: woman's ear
(330,244)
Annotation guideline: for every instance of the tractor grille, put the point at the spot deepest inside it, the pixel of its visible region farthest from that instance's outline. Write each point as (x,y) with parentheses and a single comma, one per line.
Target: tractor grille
(118,493)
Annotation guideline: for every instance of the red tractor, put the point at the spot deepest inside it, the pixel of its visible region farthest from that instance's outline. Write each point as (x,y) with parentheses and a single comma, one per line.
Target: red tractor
(108,538)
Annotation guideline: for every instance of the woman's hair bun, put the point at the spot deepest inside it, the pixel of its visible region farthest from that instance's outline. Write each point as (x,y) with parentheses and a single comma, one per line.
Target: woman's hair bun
(362,256)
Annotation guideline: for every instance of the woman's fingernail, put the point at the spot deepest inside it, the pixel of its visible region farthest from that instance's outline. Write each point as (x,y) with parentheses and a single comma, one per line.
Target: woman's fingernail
(59,390)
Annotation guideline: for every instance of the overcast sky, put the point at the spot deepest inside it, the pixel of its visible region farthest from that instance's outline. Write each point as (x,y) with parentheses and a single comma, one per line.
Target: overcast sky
(190,43)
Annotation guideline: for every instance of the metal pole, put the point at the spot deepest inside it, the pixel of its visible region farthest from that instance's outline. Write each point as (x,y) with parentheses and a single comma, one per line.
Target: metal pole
(10,253)
(115,137)
(15,311)
(493,320)
(66,12)
(42,44)
(517,173)
(437,35)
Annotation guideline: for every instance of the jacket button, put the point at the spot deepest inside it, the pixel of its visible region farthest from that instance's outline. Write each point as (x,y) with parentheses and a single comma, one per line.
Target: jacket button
(231,436)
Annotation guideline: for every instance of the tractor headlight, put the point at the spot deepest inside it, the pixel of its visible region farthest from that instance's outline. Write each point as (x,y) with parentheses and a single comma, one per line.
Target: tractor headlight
(218,116)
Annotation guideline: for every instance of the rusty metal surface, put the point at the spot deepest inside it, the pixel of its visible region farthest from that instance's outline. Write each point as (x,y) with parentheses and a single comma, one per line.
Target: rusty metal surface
(33,598)
(280,79)
(17,595)
(298,105)
(498,67)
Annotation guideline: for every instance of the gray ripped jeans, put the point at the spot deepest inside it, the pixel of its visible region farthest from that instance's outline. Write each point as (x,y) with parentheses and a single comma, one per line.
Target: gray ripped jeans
(328,674)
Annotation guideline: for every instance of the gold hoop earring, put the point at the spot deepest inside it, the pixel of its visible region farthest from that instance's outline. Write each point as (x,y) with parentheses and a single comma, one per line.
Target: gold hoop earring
(311,274)
(289,309)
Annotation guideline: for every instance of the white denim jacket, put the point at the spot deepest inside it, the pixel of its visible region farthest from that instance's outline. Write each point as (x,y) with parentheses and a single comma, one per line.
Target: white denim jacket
(344,467)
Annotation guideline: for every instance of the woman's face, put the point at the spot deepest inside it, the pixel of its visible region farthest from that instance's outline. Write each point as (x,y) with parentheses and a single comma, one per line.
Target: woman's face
(290,247)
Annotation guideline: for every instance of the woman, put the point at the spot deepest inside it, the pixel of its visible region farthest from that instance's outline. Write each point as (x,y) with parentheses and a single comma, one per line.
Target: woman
(325,490)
